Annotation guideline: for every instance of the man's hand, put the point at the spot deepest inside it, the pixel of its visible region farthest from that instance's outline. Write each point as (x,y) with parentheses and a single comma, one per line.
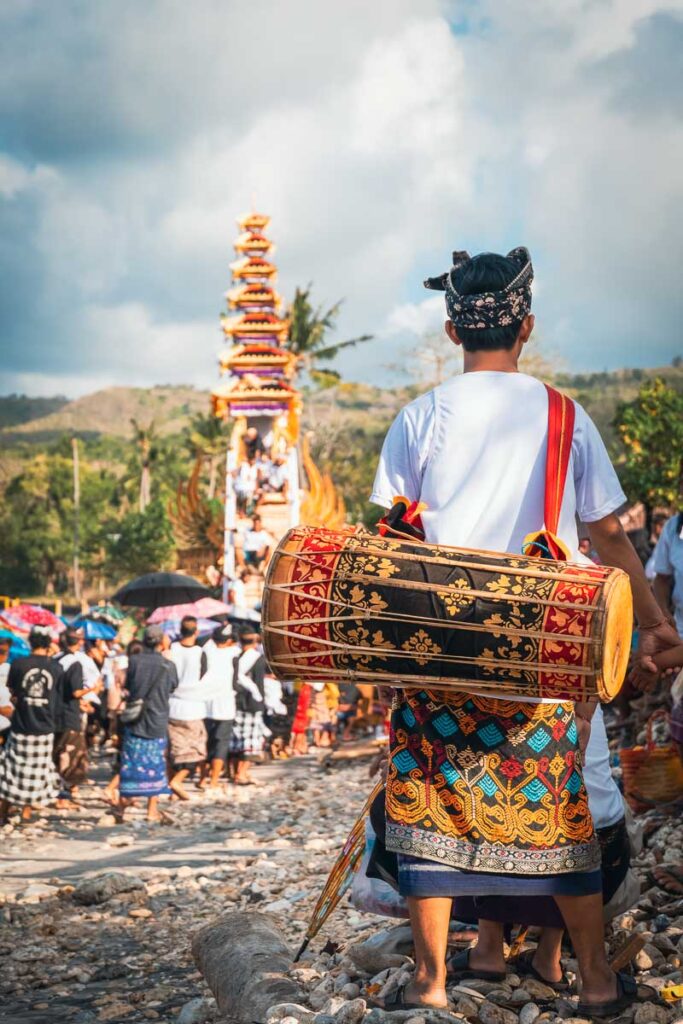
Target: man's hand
(583,727)
(651,641)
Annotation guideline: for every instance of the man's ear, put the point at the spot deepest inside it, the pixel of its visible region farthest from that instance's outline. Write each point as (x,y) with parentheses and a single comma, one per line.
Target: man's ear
(526,328)
(451,332)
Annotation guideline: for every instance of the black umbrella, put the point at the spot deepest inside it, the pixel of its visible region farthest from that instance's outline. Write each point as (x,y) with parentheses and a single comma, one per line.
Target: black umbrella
(155,589)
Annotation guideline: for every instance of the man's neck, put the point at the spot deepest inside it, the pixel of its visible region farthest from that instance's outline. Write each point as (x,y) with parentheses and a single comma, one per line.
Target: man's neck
(500,360)
(188,641)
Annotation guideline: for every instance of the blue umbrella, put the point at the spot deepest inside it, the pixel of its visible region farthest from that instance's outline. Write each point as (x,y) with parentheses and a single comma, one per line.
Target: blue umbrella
(93,630)
(18,647)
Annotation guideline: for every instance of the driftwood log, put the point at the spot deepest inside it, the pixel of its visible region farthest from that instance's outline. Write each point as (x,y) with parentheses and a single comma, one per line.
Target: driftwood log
(244,961)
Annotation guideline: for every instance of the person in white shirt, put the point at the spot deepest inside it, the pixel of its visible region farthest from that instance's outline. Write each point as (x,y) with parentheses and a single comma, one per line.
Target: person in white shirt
(248,734)
(237,589)
(221,652)
(258,544)
(6,707)
(668,567)
(187,707)
(473,451)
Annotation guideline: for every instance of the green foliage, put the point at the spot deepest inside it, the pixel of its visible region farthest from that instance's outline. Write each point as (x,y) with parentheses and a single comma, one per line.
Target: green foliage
(37,522)
(17,409)
(651,431)
(308,329)
(143,542)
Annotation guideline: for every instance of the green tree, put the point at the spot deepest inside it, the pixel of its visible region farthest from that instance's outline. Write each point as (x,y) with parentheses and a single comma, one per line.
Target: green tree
(308,330)
(36,523)
(651,432)
(143,542)
(208,436)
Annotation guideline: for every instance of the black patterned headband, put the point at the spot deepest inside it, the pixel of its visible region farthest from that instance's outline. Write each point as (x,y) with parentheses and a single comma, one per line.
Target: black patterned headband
(487,309)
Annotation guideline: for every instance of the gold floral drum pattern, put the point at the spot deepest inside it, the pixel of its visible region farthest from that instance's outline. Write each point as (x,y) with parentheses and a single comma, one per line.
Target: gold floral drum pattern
(341,604)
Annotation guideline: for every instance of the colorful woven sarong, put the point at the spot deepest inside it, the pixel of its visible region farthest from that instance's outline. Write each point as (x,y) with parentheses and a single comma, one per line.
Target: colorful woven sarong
(143,766)
(488,786)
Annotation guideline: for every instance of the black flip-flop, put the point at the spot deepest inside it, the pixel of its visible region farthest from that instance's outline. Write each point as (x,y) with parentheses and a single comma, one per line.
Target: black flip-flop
(628,992)
(399,1002)
(523,966)
(458,969)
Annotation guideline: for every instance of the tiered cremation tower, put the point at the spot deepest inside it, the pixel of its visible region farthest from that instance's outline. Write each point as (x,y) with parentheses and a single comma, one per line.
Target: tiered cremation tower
(259,396)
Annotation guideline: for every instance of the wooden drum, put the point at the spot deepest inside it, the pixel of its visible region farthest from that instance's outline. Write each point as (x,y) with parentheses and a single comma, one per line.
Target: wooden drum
(346,605)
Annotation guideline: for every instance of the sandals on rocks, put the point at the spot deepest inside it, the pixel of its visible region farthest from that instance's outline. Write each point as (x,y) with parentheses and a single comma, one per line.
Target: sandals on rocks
(628,992)
(523,966)
(458,969)
(399,1002)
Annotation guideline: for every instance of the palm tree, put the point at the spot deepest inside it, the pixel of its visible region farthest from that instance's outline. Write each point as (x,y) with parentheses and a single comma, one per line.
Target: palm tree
(208,436)
(308,328)
(144,438)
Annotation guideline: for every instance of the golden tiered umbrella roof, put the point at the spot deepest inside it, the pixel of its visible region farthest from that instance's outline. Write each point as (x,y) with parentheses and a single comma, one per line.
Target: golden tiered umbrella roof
(253,222)
(252,266)
(241,358)
(246,296)
(253,242)
(251,324)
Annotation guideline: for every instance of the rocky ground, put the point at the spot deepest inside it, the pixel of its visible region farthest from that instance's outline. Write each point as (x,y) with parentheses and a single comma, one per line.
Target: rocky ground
(79,947)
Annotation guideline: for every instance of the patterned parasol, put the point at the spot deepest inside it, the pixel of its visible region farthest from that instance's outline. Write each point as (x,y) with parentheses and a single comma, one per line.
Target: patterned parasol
(20,617)
(341,875)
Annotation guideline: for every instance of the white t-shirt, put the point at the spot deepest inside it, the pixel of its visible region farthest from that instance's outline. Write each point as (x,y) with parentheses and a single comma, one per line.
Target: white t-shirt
(256,540)
(239,592)
(5,698)
(91,672)
(474,450)
(604,799)
(187,702)
(668,561)
(220,690)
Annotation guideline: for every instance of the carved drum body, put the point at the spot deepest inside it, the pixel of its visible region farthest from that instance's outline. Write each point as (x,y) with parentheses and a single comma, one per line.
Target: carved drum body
(346,605)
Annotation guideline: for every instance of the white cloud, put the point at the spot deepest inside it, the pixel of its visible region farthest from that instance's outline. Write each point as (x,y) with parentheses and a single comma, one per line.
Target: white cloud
(378,140)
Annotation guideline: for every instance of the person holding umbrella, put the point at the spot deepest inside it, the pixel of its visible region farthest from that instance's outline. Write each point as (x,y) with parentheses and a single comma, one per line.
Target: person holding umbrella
(27,774)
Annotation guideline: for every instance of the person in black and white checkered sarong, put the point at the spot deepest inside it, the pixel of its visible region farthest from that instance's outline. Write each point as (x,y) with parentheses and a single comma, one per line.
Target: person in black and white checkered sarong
(27,772)
(249,731)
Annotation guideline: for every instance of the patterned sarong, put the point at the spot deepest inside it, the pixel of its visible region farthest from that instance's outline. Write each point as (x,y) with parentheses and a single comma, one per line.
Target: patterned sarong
(488,786)
(71,756)
(248,734)
(143,766)
(27,772)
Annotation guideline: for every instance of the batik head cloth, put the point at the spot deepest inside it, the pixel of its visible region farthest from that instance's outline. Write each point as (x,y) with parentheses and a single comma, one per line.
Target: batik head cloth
(487,309)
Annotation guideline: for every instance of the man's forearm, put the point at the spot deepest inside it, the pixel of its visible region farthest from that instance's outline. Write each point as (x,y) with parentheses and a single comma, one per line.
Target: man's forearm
(614,547)
(662,591)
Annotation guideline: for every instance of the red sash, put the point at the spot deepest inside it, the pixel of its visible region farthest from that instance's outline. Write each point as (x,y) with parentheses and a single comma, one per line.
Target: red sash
(561,416)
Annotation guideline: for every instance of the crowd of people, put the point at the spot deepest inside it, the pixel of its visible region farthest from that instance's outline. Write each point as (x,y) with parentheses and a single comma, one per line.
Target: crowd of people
(169,715)
(259,473)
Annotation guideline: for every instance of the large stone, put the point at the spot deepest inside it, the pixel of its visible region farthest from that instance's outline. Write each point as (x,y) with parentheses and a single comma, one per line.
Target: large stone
(245,961)
(529,1013)
(197,1011)
(372,960)
(352,1012)
(650,1013)
(489,1013)
(102,887)
(277,1013)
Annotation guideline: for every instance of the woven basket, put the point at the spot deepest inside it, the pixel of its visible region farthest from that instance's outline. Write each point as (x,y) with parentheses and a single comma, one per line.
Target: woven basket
(653,774)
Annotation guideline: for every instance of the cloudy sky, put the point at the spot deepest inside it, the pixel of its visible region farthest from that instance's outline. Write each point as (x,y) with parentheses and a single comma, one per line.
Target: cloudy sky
(379,136)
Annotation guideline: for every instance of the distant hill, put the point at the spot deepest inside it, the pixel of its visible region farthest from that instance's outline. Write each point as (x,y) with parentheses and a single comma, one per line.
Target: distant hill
(108,412)
(17,409)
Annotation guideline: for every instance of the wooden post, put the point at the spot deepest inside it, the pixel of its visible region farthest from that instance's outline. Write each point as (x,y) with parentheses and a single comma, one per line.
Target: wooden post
(77,511)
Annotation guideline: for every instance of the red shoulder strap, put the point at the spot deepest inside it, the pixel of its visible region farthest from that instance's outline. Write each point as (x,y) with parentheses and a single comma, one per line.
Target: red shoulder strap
(561,416)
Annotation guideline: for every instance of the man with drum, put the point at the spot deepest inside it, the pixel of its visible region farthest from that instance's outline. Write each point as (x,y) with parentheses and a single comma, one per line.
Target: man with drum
(473,451)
